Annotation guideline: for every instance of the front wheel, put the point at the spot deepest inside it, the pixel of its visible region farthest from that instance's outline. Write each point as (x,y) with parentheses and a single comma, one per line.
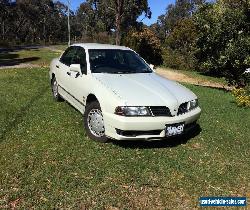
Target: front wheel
(93,122)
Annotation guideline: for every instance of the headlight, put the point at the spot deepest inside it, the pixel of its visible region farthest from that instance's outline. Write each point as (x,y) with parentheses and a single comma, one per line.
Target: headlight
(132,111)
(192,104)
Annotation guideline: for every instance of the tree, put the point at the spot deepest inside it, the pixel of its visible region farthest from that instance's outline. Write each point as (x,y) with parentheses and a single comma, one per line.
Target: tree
(180,45)
(146,43)
(224,39)
(6,6)
(177,32)
(33,21)
(175,12)
(160,28)
(121,13)
(90,20)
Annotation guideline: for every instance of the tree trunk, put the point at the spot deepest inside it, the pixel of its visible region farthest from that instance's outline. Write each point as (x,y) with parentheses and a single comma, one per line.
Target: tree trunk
(3,31)
(118,19)
(118,29)
(44,31)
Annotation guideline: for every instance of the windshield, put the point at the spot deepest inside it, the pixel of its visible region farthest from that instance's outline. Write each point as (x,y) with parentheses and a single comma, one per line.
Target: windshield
(114,61)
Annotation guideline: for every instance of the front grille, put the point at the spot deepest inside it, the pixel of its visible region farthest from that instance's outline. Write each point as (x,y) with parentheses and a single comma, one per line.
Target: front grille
(183,108)
(160,111)
(137,133)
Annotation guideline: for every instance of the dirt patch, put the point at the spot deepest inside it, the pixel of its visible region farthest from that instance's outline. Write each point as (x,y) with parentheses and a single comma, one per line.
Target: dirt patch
(21,65)
(180,77)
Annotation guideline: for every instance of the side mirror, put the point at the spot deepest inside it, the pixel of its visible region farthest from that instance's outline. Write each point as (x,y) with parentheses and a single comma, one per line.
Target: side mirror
(75,68)
(152,67)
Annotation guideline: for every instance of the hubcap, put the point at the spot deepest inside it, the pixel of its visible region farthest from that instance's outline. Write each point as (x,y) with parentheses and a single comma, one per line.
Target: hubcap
(55,88)
(95,122)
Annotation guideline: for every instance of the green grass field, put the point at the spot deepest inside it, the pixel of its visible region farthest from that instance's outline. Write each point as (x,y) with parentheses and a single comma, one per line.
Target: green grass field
(48,162)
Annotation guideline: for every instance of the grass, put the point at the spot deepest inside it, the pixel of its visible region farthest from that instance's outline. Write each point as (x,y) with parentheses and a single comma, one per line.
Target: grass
(48,162)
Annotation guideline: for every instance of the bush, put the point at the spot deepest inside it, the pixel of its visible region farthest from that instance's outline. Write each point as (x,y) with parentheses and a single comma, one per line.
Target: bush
(146,43)
(224,40)
(177,60)
(242,96)
(180,43)
(5,44)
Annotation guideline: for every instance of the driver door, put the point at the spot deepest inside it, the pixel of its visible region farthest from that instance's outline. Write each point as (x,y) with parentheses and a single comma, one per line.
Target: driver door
(64,75)
(80,82)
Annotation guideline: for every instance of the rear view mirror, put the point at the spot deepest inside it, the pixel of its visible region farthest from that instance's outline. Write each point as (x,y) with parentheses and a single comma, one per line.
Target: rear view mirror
(152,67)
(75,68)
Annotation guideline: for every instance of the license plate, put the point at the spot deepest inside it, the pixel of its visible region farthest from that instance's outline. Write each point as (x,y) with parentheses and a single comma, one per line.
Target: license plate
(174,129)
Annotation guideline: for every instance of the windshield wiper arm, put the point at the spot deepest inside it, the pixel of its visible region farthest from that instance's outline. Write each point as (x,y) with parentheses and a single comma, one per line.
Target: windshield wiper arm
(123,72)
(147,70)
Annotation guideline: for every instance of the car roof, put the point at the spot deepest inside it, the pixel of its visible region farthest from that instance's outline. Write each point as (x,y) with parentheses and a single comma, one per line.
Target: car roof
(100,46)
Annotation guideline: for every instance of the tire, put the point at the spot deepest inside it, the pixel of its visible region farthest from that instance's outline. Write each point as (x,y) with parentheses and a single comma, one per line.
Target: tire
(54,88)
(93,122)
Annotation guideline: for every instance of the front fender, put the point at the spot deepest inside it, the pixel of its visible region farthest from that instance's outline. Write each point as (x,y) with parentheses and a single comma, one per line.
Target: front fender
(107,98)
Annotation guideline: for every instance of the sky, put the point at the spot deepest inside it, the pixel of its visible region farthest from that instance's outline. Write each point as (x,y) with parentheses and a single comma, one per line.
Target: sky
(158,7)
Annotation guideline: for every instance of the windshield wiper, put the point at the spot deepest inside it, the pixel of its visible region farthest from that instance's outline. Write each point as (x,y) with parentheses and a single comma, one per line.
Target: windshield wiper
(146,70)
(123,72)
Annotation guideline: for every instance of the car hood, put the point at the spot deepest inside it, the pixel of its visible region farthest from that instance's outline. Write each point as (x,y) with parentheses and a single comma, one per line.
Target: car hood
(146,89)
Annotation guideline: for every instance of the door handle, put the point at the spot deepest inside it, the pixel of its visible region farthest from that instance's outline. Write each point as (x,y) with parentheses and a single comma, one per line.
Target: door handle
(68,73)
(57,66)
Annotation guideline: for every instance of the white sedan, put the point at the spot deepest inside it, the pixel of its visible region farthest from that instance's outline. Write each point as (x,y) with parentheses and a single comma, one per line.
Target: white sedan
(120,95)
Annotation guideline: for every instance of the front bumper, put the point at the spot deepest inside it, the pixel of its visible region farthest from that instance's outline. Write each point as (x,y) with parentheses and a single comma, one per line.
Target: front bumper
(146,128)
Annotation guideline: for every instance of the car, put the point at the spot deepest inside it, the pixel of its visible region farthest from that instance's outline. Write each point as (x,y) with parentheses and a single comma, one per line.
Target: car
(120,95)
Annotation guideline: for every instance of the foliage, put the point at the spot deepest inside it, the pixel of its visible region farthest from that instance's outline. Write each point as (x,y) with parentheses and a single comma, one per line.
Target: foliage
(174,59)
(183,35)
(224,39)
(182,9)
(181,45)
(160,28)
(211,37)
(118,15)
(33,21)
(242,96)
(45,21)
(146,44)
(89,23)
(177,32)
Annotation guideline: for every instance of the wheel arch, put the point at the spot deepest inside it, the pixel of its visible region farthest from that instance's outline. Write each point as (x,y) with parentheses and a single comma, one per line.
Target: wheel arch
(90,98)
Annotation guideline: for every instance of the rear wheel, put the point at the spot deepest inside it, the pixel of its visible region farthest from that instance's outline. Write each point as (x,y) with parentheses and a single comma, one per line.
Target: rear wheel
(93,122)
(54,87)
